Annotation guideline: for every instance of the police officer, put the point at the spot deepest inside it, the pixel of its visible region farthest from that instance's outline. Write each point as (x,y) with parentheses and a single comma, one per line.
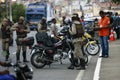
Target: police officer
(77,31)
(6,32)
(21,31)
(42,26)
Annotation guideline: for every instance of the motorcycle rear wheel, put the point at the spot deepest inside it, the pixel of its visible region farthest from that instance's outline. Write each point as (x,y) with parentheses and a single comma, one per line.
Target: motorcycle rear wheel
(37,60)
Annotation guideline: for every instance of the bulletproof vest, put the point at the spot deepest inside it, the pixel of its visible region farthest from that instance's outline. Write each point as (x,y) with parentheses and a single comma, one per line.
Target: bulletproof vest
(5,32)
(21,34)
(79,31)
(44,26)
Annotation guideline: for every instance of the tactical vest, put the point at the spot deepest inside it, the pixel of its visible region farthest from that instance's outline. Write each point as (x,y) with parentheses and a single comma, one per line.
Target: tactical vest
(21,34)
(44,26)
(5,32)
(79,31)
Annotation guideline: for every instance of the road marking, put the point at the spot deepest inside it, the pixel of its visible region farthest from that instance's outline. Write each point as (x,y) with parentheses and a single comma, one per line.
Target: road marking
(81,73)
(97,69)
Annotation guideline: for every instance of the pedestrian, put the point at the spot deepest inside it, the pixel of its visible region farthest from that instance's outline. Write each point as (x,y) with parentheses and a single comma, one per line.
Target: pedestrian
(54,29)
(77,31)
(94,26)
(103,26)
(82,21)
(21,31)
(6,32)
(111,25)
(117,25)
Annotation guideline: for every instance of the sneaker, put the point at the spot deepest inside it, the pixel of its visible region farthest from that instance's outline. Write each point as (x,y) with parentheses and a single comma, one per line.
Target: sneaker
(101,56)
(106,56)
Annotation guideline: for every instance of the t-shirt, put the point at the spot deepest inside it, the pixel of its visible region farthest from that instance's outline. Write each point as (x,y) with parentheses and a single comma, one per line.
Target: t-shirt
(104,22)
(54,28)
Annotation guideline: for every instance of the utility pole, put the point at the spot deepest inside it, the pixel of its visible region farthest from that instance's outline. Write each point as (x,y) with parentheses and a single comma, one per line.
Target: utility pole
(10,10)
(6,3)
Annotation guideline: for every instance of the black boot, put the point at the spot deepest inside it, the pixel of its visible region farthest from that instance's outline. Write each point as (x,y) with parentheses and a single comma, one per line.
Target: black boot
(18,57)
(71,66)
(82,64)
(7,56)
(72,62)
(24,57)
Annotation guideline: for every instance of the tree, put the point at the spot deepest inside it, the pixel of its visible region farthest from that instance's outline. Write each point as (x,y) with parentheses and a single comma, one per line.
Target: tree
(116,1)
(17,11)
(2,11)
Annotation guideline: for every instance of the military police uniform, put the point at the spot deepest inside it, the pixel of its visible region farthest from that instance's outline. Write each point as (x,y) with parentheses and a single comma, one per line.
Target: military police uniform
(21,31)
(5,31)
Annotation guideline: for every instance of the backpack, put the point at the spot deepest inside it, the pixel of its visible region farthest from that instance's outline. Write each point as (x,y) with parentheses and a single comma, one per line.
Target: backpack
(79,31)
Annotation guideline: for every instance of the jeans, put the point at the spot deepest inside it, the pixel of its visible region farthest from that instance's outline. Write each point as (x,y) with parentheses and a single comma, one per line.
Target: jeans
(105,45)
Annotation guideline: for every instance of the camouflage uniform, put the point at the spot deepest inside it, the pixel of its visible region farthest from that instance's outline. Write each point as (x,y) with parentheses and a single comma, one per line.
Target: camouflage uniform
(21,31)
(77,32)
(5,31)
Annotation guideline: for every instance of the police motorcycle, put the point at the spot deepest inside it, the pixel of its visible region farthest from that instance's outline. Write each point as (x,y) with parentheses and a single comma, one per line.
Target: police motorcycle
(22,71)
(44,54)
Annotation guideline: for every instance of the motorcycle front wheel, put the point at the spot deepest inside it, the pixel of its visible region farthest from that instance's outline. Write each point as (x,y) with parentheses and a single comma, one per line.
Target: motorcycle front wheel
(93,49)
(37,60)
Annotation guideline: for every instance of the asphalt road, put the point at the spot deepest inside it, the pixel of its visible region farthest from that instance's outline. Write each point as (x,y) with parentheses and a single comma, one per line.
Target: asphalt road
(56,71)
(59,71)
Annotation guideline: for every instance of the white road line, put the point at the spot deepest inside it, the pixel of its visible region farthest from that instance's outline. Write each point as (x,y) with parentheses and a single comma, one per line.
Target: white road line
(81,73)
(97,69)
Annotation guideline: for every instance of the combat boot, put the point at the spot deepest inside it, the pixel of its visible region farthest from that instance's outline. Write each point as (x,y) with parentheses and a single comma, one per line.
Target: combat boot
(82,64)
(72,64)
(24,57)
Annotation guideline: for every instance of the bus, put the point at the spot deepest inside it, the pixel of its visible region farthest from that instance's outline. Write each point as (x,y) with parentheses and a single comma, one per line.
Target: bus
(36,11)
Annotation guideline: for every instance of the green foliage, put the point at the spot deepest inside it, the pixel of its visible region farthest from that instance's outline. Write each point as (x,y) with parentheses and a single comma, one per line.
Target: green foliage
(2,12)
(17,11)
(116,1)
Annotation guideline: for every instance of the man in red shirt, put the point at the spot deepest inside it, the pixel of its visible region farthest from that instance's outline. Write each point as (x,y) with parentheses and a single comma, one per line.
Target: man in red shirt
(104,33)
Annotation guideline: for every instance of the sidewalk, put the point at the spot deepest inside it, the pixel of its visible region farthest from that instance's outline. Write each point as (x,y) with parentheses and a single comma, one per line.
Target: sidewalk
(110,67)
